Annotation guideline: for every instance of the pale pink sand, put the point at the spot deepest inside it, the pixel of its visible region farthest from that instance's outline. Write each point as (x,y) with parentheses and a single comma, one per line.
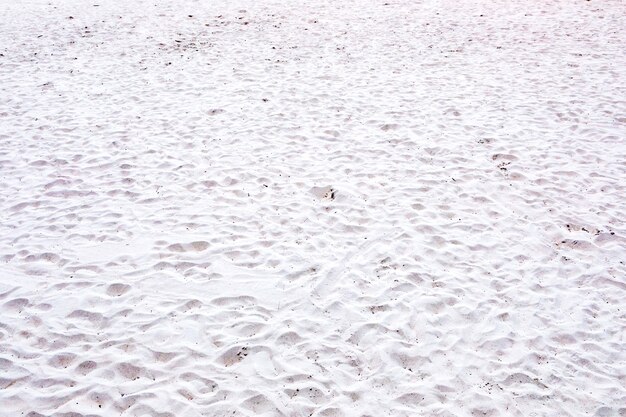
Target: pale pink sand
(290,208)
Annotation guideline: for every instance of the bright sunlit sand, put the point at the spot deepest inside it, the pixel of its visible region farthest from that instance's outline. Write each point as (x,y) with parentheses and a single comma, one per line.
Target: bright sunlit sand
(312,208)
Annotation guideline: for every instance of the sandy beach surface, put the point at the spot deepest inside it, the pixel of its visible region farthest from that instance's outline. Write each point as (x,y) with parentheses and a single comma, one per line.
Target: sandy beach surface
(312,208)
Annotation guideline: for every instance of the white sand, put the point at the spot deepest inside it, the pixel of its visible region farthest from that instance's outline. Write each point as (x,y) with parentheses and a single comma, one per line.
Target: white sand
(346,208)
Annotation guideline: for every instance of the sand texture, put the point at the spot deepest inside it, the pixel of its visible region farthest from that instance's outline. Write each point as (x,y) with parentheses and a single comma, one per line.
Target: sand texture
(312,208)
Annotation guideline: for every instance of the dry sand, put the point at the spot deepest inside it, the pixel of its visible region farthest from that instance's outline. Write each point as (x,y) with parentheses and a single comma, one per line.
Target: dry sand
(346,208)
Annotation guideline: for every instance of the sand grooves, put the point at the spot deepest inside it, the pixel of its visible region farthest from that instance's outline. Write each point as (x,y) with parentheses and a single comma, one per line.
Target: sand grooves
(331,209)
